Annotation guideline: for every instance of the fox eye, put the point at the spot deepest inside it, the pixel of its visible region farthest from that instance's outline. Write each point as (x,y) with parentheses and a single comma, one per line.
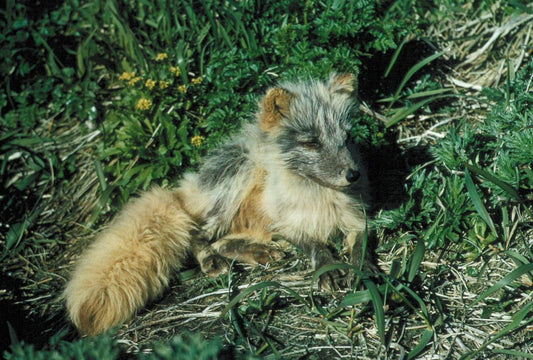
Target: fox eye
(311,144)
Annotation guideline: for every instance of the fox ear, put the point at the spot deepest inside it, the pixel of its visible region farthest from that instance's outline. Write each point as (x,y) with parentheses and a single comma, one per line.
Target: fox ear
(343,83)
(273,107)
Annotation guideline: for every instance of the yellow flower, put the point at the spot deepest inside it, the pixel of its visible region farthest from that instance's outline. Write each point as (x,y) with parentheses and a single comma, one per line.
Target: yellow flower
(126,75)
(175,70)
(163,84)
(143,104)
(161,57)
(197,81)
(150,84)
(197,140)
(134,80)
(182,89)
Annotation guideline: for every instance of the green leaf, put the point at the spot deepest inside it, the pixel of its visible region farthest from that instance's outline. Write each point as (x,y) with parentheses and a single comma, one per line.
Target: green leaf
(358,297)
(402,113)
(478,203)
(517,323)
(260,286)
(502,184)
(426,337)
(416,259)
(513,276)
(377,304)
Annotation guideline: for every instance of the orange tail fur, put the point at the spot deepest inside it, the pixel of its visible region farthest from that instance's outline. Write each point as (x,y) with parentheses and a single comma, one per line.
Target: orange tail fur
(130,262)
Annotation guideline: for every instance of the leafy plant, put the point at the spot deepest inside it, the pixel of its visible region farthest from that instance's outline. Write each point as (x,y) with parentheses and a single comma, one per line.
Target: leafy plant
(478,171)
(186,346)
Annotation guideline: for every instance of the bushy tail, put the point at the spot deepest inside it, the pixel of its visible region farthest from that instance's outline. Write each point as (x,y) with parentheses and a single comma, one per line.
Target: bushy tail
(130,262)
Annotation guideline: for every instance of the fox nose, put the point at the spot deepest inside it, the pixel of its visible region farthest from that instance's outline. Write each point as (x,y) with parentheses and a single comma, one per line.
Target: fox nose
(352,175)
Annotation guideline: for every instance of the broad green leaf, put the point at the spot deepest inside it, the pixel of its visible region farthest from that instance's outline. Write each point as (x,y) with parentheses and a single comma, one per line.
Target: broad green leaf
(416,259)
(358,297)
(478,203)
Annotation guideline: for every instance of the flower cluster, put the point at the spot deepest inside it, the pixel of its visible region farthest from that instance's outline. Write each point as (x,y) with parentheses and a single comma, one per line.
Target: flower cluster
(143,104)
(146,89)
(197,140)
(126,76)
(161,57)
(150,84)
(175,70)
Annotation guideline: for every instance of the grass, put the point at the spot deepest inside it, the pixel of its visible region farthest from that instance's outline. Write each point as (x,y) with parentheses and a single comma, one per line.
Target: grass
(104,98)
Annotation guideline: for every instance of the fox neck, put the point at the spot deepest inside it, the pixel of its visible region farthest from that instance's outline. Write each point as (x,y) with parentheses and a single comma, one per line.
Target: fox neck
(300,208)
(282,181)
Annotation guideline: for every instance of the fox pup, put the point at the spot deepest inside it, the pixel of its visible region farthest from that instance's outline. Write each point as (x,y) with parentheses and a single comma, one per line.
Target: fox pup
(291,173)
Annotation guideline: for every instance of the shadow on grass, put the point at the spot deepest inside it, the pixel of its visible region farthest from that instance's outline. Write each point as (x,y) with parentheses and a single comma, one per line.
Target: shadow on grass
(16,323)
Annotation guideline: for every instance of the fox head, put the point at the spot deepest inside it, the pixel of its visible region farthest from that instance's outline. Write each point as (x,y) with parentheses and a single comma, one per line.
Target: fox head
(309,123)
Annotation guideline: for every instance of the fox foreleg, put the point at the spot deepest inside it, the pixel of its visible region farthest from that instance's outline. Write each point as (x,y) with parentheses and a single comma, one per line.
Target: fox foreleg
(248,249)
(359,251)
(320,256)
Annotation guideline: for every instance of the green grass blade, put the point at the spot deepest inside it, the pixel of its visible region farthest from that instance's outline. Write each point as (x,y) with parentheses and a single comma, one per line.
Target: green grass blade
(512,276)
(421,309)
(502,184)
(358,297)
(260,286)
(317,274)
(377,303)
(478,203)
(419,95)
(426,337)
(364,247)
(402,113)
(394,58)
(423,94)
(416,259)
(412,72)
(518,258)
(100,175)
(417,67)
(517,323)
(516,354)
(15,234)
(331,267)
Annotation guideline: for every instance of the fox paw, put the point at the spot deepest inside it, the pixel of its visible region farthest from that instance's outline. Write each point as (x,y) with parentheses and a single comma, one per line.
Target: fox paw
(332,280)
(264,254)
(215,265)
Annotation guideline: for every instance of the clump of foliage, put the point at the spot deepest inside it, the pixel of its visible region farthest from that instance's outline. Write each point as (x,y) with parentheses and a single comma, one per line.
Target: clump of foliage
(186,346)
(40,93)
(480,172)
(102,347)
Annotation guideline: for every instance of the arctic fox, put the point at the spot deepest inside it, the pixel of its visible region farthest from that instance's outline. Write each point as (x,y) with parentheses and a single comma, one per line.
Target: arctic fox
(290,174)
